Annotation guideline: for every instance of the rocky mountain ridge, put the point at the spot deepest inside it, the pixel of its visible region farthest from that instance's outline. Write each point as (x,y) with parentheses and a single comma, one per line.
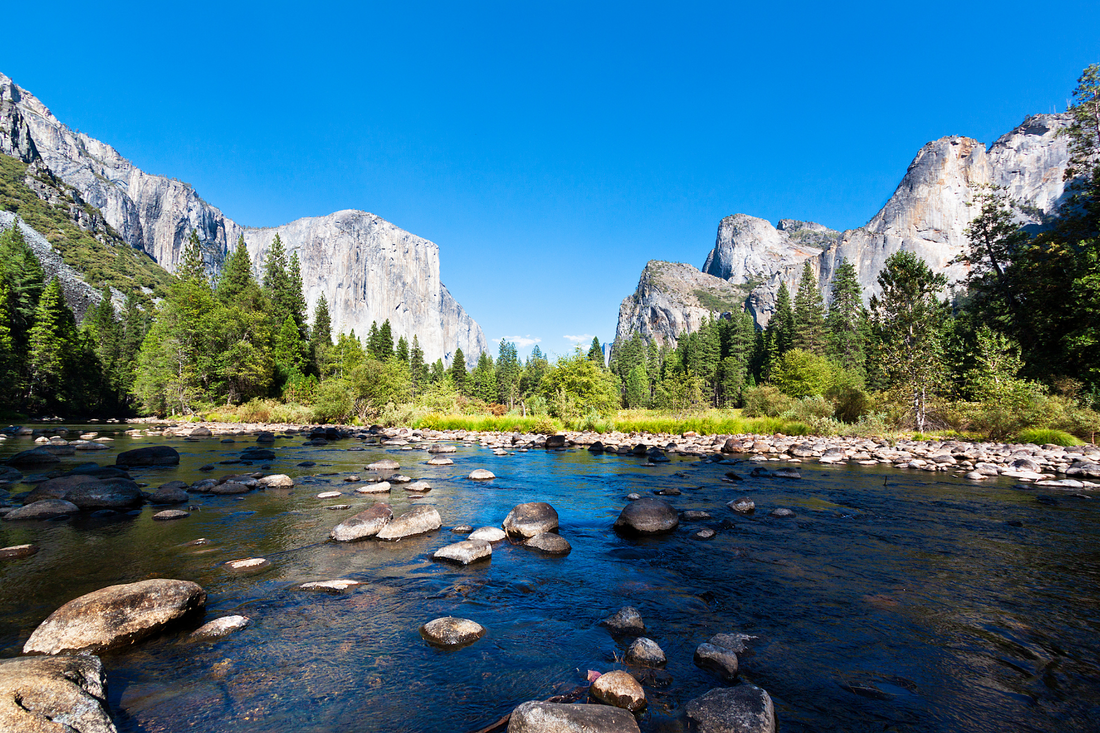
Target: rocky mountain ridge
(368,269)
(927,214)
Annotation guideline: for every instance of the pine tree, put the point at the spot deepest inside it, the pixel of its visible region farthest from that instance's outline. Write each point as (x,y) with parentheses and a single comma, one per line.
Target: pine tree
(781,326)
(710,356)
(809,314)
(906,318)
(595,352)
(534,372)
(8,379)
(236,273)
(296,299)
(483,379)
(104,334)
(458,371)
(508,374)
(289,349)
(53,345)
(277,284)
(636,394)
(846,322)
(438,372)
(418,370)
(402,351)
(384,348)
(321,333)
(25,280)
(192,266)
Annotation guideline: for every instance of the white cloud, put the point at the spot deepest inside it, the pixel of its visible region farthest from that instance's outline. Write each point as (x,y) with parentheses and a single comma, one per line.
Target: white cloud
(521,342)
(584,338)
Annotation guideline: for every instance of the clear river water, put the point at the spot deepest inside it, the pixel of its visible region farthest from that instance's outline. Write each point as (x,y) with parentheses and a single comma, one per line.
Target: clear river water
(893,601)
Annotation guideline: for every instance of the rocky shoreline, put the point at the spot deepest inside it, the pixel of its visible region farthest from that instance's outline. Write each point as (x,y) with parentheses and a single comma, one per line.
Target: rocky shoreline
(1052,466)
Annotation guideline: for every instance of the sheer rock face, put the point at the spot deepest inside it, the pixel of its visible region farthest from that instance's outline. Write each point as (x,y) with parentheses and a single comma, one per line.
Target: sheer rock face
(928,215)
(672,299)
(368,269)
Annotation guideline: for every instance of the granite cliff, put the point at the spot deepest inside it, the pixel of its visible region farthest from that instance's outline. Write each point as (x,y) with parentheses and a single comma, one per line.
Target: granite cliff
(368,269)
(928,215)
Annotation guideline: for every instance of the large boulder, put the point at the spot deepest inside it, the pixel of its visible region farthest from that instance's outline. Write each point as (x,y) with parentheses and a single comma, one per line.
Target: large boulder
(46,509)
(62,694)
(116,616)
(551,717)
(150,455)
(112,494)
(365,524)
(56,488)
(530,519)
(418,520)
(647,516)
(35,457)
(741,709)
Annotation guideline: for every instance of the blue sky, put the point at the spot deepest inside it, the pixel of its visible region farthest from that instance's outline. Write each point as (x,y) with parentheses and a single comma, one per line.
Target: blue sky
(550,149)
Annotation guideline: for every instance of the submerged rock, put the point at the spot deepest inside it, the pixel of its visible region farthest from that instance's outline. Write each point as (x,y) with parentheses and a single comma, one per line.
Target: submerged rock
(717,659)
(530,519)
(365,524)
(330,586)
(551,717)
(741,709)
(47,509)
(452,632)
(35,457)
(169,514)
(151,455)
(742,505)
(116,616)
(619,689)
(248,565)
(62,694)
(782,513)
(17,552)
(647,516)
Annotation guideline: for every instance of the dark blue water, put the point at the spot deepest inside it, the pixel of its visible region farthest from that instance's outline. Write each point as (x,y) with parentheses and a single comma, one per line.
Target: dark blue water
(914,606)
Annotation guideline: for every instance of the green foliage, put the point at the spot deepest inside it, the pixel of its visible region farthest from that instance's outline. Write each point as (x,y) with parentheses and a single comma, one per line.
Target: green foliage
(781,326)
(765,401)
(508,374)
(637,388)
(418,370)
(1047,436)
(575,385)
(809,314)
(54,356)
(320,337)
(105,259)
(803,374)
(482,382)
(846,325)
(458,371)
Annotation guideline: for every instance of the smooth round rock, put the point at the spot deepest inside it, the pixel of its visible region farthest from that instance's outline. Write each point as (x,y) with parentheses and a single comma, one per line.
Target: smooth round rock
(382,487)
(620,689)
(695,515)
(716,659)
(55,693)
(440,462)
(418,487)
(386,464)
(169,495)
(782,513)
(550,717)
(400,479)
(626,620)
(440,448)
(452,632)
(277,481)
(169,514)
(481,474)
(230,488)
(741,709)
(17,552)
(116,616)
(489,534)
(329,495)
(464,529)
(549,543)
(742,505)
(464,552)
(704,534)
(365,524)
(219,627)
(530,519)
(418,520)
(645,653)
(151,455)
(48,509)
(647,516)
(109,494)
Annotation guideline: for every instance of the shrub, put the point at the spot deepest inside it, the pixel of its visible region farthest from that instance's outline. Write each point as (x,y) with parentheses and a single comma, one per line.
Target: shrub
(803,374)
(1043,436)
(765,401)
(850,403)
(809,409)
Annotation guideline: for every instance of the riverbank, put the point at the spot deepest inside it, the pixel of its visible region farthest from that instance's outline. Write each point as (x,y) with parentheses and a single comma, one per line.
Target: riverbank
(1053,466)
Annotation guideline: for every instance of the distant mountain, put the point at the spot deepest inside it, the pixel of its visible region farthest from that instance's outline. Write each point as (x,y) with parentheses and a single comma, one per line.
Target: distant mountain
(368,269)
(928,215)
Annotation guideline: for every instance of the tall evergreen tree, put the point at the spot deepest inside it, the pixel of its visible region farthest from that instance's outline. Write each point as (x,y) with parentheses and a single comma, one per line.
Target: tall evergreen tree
(809,314)
(105,335)
(384,349)
(595,352)
(277,283)
(781,326)
(296,299)
(483,379)
(846,322)
(906,318)
(401,352)
(25,279)
(236,273)
(54,348)
(458,371)
(320,336)
(636,394)
(8,379)
(289,352)
(508,374)
(418,370)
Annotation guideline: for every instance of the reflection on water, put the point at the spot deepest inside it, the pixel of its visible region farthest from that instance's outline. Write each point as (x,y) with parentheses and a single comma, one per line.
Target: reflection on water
(914,606)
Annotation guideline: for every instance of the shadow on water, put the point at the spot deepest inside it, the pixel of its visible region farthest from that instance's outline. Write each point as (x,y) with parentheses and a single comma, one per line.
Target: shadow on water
(930,605)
